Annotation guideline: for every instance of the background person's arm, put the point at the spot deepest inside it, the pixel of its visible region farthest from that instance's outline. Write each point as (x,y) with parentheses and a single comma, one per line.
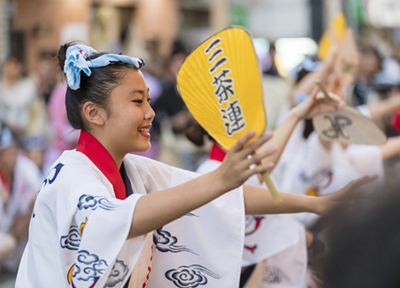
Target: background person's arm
(259,201)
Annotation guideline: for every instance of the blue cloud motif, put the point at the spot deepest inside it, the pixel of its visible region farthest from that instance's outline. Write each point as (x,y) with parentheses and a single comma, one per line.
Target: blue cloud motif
(89,267)
(72,240)
(190,276)
(165,242)
(118,274)
(94,202)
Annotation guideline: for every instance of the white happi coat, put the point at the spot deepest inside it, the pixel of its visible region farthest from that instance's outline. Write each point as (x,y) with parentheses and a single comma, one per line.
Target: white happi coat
(78,231)
(278,238)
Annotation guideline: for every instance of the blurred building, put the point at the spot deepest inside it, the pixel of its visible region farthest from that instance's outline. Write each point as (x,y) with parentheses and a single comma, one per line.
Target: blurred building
(4,30)
(140,27)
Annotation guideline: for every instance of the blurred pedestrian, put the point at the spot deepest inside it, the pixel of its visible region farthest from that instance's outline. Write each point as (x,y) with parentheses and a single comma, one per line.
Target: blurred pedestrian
(64,137)
(17,94)
(20,181)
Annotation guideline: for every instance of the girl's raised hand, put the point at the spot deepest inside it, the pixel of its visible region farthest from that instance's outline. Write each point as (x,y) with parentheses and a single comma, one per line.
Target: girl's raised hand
(327,203)
(317,104)
(235,169)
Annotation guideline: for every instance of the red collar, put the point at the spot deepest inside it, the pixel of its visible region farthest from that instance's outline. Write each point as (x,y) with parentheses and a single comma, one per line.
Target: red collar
(4,181)
(96,152)
(217,153)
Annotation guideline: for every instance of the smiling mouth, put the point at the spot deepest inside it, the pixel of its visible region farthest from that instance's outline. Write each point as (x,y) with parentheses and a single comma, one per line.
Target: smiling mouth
(144,130)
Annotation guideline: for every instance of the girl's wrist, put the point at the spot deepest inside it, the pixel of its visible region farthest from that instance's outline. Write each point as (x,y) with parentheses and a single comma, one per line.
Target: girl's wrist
(314,204)
(295,113)
(215,179)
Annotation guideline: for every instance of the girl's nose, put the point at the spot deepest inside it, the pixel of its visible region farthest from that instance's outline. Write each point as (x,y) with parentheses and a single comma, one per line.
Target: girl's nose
(149,114)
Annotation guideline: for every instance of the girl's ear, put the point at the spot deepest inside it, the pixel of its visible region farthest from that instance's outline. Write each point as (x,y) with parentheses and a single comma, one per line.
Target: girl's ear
(93,114)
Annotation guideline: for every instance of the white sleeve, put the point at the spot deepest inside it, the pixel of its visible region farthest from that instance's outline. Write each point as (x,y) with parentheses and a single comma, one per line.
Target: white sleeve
(103,224)
(367,159)
(364,110)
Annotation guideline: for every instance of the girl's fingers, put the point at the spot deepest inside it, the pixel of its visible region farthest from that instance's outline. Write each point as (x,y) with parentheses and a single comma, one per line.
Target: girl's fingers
(326,108)
(363,181)
(259,169)
(339,101)
(353,186)
(320,97)
(252,147)
(258,157)
(242,141)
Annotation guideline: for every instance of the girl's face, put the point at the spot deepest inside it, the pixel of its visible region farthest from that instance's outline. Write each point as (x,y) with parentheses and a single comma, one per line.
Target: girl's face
(129,115)
(13,70)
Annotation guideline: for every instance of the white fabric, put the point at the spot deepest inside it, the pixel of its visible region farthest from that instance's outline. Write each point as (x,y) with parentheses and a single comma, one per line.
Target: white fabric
(288,269)
(306,166)
(278,237)
(316,170)
(26,183)
(15,103)
(203,247)
(78,195)
(7,245)
(364,110)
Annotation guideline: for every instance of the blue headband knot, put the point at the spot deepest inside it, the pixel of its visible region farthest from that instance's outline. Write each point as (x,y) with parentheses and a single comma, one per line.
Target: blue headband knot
(77,61)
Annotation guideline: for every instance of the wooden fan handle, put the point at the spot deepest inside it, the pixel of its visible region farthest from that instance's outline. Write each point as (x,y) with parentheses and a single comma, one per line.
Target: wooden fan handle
(270,185)
(271,188)
(323,89)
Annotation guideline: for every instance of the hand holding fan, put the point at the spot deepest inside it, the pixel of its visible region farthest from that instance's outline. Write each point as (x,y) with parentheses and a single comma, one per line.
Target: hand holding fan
(220,83)
(347,125)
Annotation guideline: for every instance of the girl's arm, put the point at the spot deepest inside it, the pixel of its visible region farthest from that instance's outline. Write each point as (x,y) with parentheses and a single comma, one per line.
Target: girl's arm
(391,148)
(259,201)
(157,209)
(307,109)
(384,107)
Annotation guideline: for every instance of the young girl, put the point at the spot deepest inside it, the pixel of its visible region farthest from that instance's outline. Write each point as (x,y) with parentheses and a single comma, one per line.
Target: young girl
(97,204)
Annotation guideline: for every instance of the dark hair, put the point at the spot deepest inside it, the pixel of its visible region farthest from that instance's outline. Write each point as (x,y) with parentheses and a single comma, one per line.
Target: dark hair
(363,239)
(308,127)
(96,88)
(195,133)
(18,59)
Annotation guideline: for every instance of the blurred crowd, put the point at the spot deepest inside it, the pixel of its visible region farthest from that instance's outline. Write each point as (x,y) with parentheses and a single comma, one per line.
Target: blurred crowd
(35,131)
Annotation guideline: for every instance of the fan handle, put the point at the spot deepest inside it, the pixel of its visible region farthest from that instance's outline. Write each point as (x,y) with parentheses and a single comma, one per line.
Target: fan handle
(271,188)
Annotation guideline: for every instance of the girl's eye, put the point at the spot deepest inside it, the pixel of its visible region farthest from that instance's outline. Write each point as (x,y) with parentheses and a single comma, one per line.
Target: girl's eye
(139,101)
(149,100)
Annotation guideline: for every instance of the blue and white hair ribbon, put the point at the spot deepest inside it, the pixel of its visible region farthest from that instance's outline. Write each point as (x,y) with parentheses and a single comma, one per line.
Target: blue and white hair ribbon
(6,138)
(308,64)
(77,61)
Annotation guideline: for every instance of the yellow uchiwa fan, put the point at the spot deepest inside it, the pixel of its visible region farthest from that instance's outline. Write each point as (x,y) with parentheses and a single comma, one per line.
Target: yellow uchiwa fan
(220,83)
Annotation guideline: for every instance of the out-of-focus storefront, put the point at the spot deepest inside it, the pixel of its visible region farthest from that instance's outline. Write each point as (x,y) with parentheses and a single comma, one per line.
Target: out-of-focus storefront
(4,30)
(148,28)
(39,26)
